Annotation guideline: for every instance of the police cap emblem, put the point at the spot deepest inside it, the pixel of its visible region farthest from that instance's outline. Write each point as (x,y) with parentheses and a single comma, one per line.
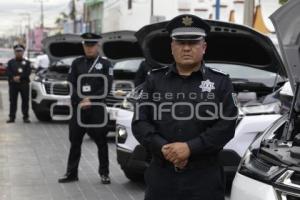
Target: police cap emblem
(187,21)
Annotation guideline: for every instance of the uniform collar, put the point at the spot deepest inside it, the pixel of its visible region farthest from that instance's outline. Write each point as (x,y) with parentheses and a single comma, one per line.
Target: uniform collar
(173,70)
(91,58)
(18,60)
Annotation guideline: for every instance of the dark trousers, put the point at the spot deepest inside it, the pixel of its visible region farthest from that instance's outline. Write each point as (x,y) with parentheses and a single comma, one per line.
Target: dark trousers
(98,135)
(14,90)
(164,183)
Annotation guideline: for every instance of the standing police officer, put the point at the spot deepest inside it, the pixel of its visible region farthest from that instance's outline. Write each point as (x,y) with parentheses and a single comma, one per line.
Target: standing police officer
(185,115)
(91,78)
(141,73)
(18,71)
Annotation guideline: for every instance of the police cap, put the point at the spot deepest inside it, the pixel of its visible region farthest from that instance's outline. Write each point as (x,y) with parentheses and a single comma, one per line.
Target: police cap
(90,38)
(19,47)
(187,27)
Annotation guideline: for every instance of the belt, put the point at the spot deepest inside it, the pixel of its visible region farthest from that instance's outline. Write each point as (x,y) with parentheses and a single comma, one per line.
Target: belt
(212,161)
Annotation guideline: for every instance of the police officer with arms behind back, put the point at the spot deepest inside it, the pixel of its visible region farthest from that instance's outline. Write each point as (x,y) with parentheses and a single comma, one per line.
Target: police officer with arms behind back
(91,78)
(184,116)
(18,71)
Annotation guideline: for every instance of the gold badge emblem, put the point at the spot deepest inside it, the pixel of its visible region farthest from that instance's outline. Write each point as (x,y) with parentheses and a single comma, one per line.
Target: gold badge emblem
(187,21)
(89,35)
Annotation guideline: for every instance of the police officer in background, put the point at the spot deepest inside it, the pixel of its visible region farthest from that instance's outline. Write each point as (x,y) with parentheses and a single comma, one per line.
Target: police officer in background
(185,133)
(94,76)
(18,71)
(141,73)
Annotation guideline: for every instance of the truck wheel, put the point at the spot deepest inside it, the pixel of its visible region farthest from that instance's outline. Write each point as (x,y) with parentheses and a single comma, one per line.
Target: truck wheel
(135,177)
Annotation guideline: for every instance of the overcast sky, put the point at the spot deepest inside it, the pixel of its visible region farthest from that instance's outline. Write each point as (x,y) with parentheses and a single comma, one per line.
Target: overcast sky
(11,19)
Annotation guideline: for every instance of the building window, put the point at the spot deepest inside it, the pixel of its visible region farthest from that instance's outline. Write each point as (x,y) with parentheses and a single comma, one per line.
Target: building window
(129,4)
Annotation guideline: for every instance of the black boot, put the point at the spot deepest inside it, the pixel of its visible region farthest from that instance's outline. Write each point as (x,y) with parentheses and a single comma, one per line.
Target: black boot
(11,120)
(105,179)
(67,178)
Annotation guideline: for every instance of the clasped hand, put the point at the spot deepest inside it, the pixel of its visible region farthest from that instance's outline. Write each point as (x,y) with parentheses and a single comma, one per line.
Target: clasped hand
(85,103)
(17,79)
(177,153)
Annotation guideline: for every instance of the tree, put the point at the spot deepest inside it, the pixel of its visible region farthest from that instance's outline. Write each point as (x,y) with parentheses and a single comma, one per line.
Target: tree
(62,17)
(60,20)
(282,1)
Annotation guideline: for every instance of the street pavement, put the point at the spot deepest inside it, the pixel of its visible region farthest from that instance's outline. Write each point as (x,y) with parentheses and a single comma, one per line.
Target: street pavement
(33,156)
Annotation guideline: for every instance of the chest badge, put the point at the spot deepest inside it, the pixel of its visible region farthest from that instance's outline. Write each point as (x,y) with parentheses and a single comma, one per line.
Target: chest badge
(86,88)
(207,86)
(98,66)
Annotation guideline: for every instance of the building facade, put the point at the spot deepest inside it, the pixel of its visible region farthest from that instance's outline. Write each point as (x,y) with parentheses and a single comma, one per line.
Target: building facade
(133,14)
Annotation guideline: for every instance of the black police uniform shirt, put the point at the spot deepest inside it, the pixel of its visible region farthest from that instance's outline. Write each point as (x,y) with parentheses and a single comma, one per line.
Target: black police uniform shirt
(89,85)
(18,68)
(206,91)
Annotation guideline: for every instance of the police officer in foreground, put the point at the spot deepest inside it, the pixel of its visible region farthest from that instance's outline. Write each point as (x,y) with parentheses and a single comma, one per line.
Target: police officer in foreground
(18,71)
(185,115)
(91,78)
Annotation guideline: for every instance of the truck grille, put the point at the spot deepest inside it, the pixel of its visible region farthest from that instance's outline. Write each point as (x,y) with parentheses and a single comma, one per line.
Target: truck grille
(123,86)
(58,88)
(111,100)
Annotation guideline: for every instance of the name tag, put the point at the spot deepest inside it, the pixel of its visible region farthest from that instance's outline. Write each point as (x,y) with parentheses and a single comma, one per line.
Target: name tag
(86,88)
(20,70)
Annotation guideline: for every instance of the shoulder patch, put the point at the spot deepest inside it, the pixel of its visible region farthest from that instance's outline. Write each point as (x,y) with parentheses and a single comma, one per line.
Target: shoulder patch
(218,71)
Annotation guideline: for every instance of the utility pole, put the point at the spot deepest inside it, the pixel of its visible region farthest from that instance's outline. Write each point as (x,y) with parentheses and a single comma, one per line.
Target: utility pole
(152,7)
(28,42)
(42,13)
(249,12)
(74,15)
(218,5)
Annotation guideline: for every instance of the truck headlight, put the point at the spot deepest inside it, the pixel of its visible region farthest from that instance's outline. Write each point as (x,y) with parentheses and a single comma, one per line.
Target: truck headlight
(38,79)
(258,168)
(261,109)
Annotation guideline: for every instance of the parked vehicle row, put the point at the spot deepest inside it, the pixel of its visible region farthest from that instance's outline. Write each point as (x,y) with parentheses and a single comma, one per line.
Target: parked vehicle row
(5,56)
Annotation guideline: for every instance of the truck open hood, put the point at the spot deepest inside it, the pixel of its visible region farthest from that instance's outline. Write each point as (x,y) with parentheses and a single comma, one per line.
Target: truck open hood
(120,45)
(286,21)
(227,43)
(63,46)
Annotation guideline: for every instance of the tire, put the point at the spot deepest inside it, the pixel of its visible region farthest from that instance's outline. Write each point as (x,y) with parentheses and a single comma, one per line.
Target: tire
(42,116)
(133,176)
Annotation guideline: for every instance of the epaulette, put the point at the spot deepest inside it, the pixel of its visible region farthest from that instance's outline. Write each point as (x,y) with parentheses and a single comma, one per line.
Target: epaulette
(218,71)
(158,69)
